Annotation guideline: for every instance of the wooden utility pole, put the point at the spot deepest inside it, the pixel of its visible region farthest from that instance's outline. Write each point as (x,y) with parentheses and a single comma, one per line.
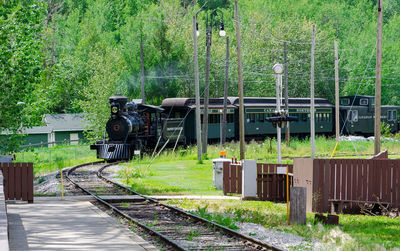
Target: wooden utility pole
(377,133)
(312,109)
(223,130)
(287,130)
(240,82)
(337,92)
(197,90)
(206,88)
(142,70)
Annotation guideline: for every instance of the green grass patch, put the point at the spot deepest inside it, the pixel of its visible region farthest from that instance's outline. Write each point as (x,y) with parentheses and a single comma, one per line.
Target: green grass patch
(355,232)
(170,177)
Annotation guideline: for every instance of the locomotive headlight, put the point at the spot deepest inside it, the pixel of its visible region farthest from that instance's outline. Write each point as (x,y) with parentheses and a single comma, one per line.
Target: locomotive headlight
(114,109)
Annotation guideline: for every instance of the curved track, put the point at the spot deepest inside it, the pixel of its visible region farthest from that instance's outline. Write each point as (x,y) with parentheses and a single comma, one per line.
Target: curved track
(177,228)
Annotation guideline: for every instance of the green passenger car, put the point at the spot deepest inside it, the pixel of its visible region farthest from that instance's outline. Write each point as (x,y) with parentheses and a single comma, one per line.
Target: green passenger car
(357,115)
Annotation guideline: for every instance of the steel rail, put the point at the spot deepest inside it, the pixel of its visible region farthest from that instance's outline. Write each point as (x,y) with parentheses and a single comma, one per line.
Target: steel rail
(225,229)
(116,210)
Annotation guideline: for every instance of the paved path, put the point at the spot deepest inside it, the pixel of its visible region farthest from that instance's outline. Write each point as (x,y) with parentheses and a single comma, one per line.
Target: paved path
(67,225)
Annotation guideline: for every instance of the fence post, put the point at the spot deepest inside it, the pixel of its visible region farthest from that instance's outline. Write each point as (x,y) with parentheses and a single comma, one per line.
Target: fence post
(298,205)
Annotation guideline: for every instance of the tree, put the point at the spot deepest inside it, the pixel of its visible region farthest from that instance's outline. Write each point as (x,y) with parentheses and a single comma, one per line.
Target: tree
(20,65)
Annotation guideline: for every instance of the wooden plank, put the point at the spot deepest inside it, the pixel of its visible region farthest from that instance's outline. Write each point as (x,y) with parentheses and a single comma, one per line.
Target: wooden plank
(387,171)
(348,178)
(259,182)
(365,180)
(233,179)
(396,185)
(225,177)
(18,181)
(30,182)
(11,181)
(274,191)
(332,170)
(265,184)
(24,181)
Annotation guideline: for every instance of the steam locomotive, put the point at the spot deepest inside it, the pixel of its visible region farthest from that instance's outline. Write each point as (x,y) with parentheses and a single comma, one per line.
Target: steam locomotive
(134,126)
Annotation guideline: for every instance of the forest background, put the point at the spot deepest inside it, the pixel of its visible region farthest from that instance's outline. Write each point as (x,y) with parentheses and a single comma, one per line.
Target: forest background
(69,56)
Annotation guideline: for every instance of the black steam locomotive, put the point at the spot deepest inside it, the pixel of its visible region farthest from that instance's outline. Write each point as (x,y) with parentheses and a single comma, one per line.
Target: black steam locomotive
(133,127)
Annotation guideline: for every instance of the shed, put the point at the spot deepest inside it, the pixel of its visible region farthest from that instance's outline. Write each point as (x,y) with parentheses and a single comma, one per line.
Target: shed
(66,127)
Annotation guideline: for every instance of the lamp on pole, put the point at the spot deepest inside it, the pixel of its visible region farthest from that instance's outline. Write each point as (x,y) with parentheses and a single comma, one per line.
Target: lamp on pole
(278,70)
(209,25)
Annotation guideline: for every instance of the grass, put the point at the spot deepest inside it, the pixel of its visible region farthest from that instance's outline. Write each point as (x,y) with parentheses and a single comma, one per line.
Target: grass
(355,232)
(47,160)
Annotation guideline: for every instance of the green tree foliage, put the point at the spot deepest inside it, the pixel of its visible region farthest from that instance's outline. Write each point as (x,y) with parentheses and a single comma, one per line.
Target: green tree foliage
(20,64)
(57,55)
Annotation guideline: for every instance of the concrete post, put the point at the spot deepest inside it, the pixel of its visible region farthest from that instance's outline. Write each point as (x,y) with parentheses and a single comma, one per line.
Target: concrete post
(298,205)
(249,179)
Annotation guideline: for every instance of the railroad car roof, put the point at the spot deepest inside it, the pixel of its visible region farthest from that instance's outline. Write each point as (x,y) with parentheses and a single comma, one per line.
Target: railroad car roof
(191,103)
(269,101)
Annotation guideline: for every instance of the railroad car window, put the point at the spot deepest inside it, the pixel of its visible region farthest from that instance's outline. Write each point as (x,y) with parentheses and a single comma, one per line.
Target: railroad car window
(363,101)
(389,116)
(229,118)
(394,115)
(345,101)
(252,117)
(353,116)
(261,117)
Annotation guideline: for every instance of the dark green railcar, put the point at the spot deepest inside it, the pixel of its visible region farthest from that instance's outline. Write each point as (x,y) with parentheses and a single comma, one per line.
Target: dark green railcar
(357,115)
(186,108)
(258,109)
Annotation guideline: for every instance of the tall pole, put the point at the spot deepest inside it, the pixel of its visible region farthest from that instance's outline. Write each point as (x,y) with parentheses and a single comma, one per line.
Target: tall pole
(278,109)
(240,82)
(377,133)
(337,92)
(142,70)
(206,88)
(197,90)
(312,112)
(287,130)
(223,133)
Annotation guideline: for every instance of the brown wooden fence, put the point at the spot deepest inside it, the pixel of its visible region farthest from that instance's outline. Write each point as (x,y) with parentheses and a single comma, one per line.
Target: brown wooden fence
(355,181)
(271,186)
(18,181)
(232,178)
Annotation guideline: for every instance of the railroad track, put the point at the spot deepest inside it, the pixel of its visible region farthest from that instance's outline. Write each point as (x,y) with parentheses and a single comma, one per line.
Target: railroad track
(177,228)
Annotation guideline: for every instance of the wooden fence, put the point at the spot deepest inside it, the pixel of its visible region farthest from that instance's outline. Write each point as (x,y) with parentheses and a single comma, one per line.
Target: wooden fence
(18,181)
(353,181)
(232,178)
(271,186)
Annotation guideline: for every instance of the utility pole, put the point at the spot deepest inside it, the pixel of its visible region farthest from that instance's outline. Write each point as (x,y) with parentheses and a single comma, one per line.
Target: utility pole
(240,82)
(142,70)
(197,90)
(223,132)
(287,130)
(206,88)
(377,133)
(312,111)
(337,92)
